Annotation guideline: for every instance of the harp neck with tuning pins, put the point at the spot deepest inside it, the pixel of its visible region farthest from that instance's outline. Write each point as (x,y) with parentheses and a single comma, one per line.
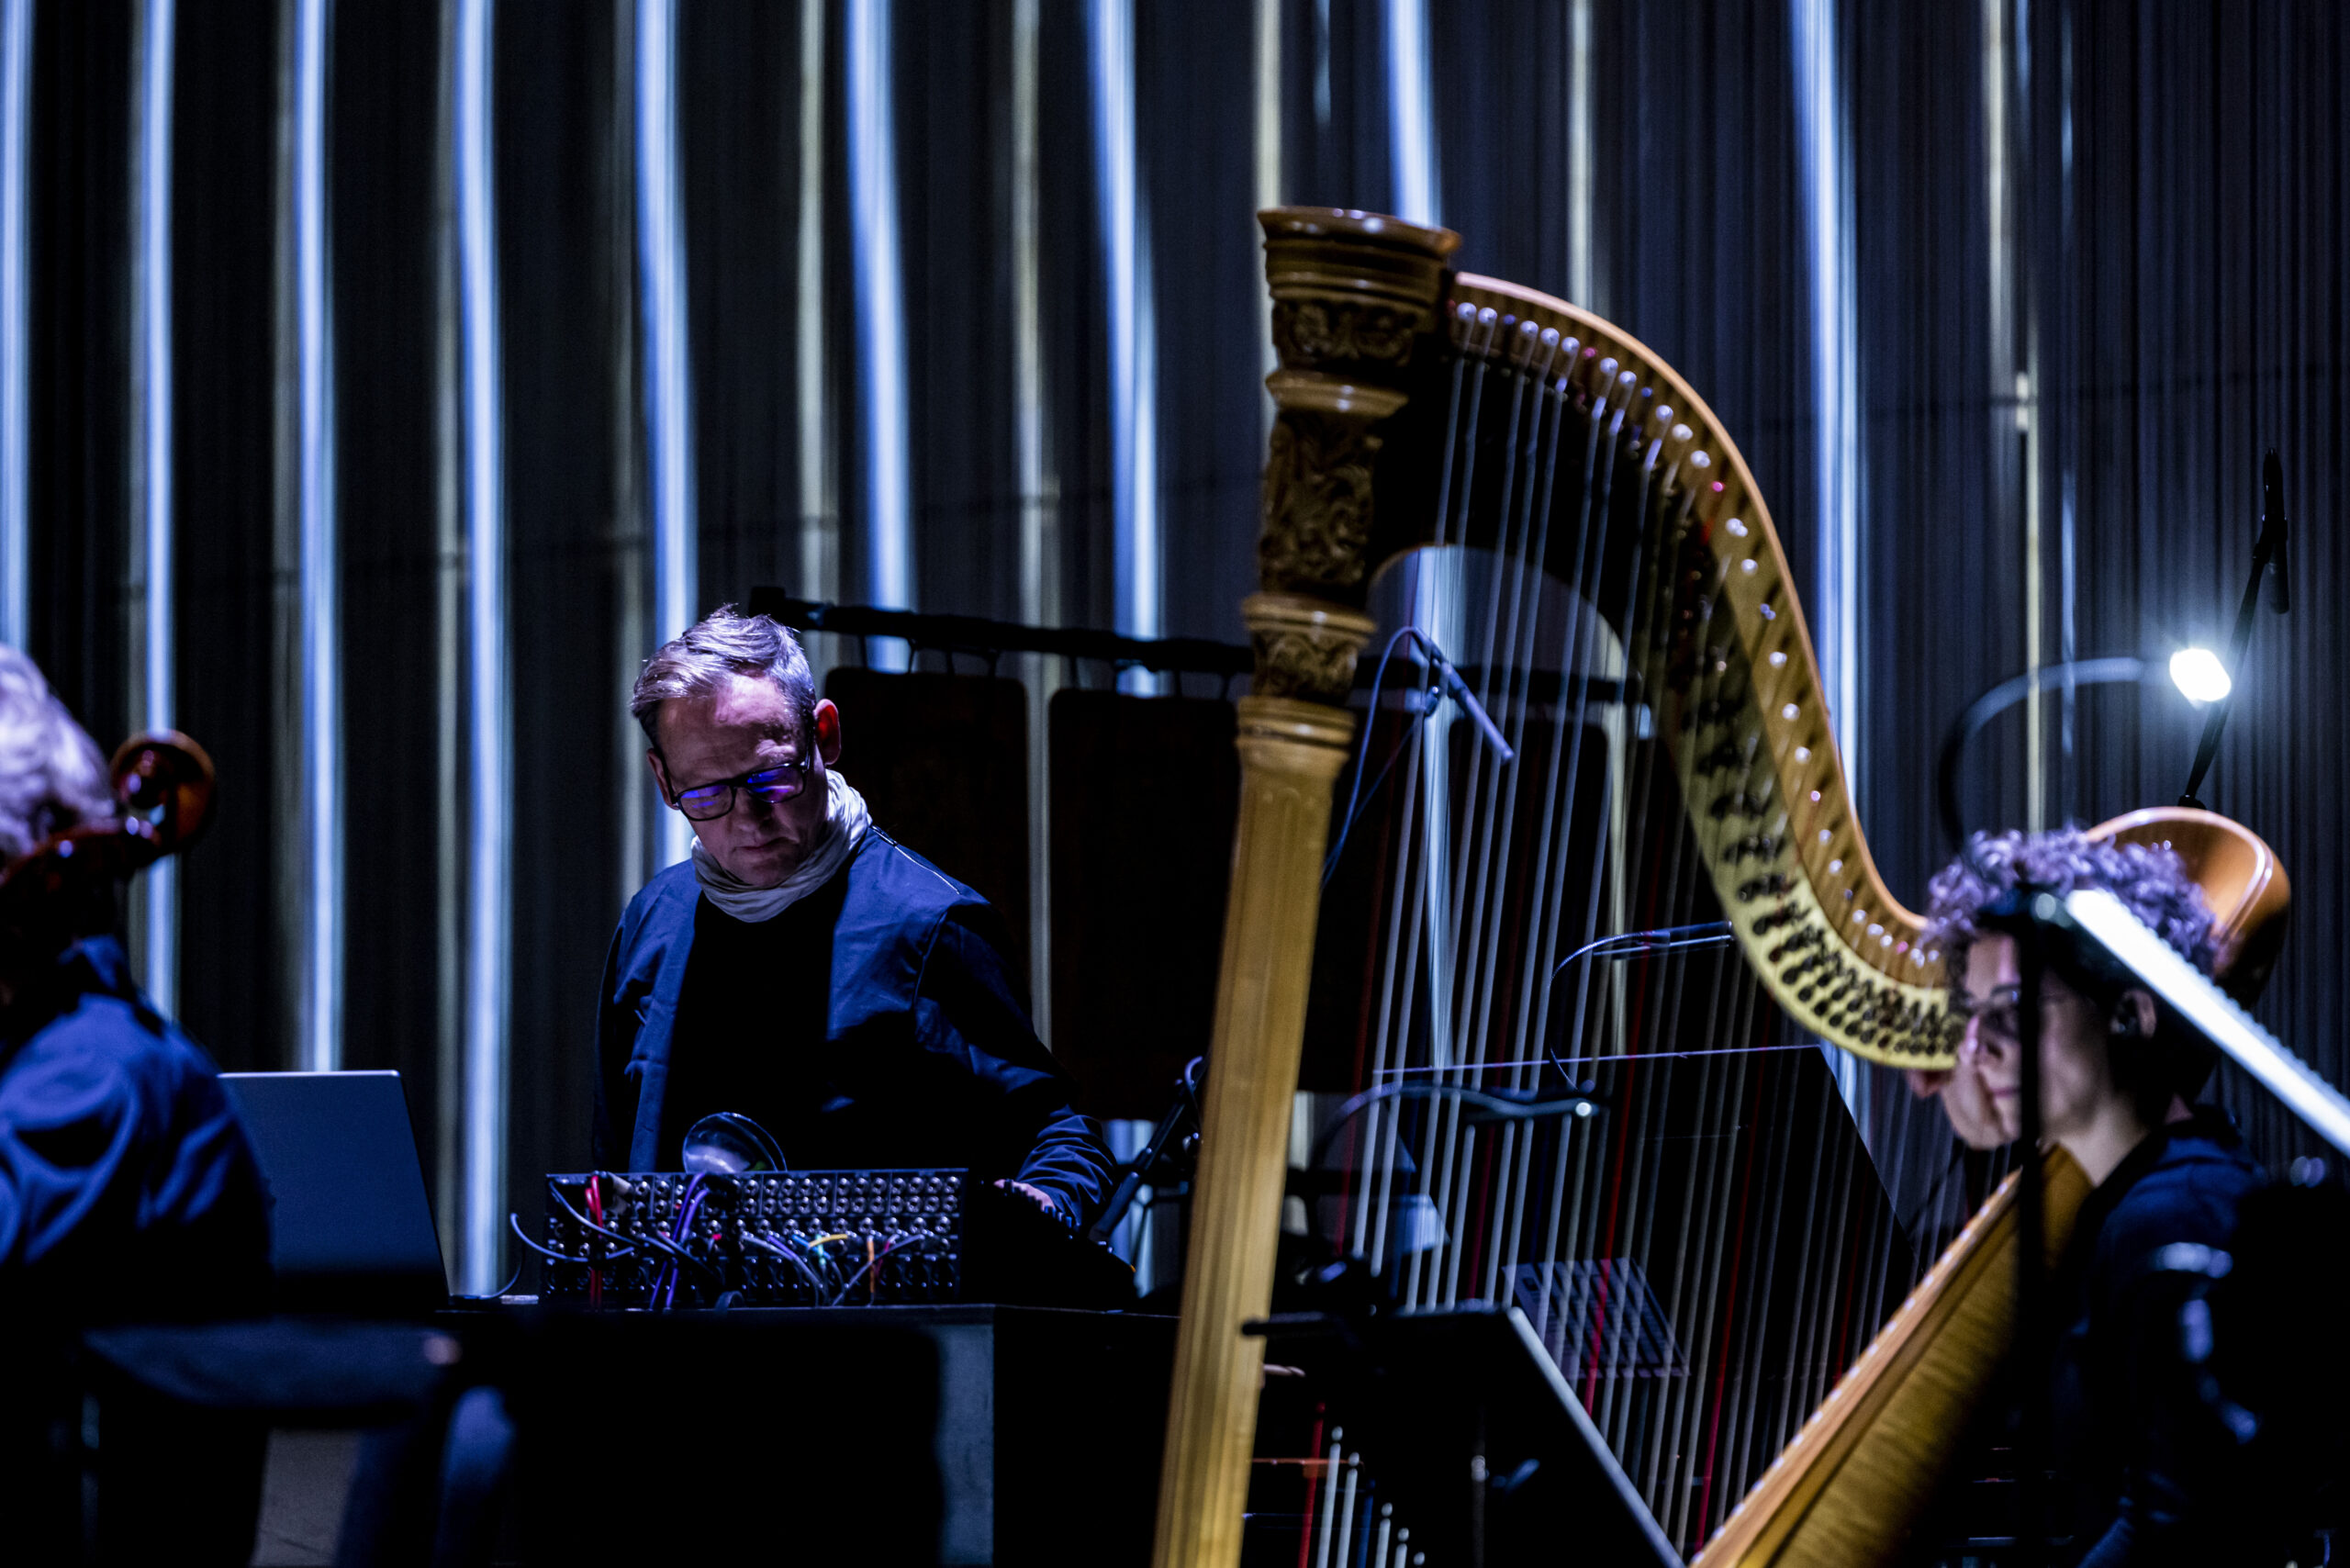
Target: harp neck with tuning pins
(1369,331)
(1666,1249)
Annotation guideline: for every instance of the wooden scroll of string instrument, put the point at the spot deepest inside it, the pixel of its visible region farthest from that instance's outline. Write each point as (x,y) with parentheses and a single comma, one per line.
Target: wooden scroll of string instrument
(64,886)
(1848,1489)
(1705,1258)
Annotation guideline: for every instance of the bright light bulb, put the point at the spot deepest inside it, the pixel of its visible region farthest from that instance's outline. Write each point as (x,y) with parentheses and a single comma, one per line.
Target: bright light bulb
(2198,674)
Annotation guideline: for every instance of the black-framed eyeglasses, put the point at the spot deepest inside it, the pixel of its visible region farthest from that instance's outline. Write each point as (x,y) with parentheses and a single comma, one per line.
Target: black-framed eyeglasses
(1999,1016)
(770,786)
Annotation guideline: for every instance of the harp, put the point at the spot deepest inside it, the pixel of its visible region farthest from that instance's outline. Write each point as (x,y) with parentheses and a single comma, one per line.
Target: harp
(1636,633)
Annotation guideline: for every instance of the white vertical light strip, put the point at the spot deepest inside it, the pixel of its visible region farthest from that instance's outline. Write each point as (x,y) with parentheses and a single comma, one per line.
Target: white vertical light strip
(1040,553)
(1040,546)
(669,382)
(881,314)
(1999,259)
(1440,585)
(2028,418)
(1321,72)
(1411,114)
(1134,333)
(637,846)
(15,411)
(1269,157)
(1826,172)
(489,837)
(451,828)
(820,570)
(2010,362)
(2067,643)
(1825,163)
(322,650)
(1582,166)
(2035,585)
(1269,103)
(661,250)
(157,22)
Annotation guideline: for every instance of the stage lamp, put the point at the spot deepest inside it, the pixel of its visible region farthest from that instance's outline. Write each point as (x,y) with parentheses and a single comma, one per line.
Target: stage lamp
(2199,675)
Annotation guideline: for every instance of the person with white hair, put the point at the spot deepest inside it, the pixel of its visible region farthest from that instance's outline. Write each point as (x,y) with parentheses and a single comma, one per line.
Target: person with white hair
(805,969)
(128,1192)
(121,1162)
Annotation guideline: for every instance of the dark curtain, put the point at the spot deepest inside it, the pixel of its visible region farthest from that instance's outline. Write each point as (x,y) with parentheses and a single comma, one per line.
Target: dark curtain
(79,355)
(2172,248)
(566,270)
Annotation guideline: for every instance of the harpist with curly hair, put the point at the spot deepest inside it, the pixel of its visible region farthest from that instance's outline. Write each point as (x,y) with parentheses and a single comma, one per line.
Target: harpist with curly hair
(2144,1473)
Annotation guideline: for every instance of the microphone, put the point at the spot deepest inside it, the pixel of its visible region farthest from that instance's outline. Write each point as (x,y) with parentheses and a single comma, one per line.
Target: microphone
(1458,690)
(1449,681)
(1663,939)
(1132,1175)
(2267,551)
(2274,532)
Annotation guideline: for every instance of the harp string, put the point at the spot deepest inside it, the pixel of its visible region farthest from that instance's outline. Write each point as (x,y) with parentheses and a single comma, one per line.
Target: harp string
(1404,897)
(1494,816)
(1535,1004)
(1359,1138)
(1686,1266)
(1659,842)
(1521,548)
(1406,881)
(1813,1292)
(1489,872)
(1634,1088)
(1599,425)
(1473,822)
(1531,582)
(1705,1289)
(1440,914)
(1518,1144)
(1602,429)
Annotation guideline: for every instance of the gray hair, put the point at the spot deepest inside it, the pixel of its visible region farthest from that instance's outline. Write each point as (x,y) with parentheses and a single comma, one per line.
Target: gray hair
(51,777)
(721,643)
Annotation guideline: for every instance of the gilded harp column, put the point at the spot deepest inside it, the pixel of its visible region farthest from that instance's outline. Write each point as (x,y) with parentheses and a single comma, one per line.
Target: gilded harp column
(1352,292)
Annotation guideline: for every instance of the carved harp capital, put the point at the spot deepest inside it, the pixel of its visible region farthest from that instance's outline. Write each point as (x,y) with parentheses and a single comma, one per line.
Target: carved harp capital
(1352,292)
(1306,647)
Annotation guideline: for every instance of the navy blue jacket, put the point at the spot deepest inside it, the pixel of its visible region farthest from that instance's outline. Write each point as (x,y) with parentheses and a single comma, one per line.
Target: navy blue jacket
(126,1186)
(871,1024)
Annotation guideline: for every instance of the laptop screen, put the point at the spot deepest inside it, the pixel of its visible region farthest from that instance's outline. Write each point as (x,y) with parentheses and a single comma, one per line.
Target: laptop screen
(351,1226)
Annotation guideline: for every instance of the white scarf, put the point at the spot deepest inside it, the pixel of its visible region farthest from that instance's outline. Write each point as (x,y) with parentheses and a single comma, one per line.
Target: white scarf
(845,820)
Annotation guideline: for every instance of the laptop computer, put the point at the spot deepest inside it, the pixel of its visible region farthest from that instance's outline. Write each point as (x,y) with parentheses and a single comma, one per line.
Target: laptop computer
(351,1227)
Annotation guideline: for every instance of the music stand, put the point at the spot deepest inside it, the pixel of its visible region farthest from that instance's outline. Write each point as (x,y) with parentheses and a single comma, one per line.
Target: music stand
(1466,1423)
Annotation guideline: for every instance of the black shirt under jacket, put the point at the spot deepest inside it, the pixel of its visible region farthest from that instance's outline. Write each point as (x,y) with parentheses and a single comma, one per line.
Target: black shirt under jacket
(2145,1463)
(872,1024)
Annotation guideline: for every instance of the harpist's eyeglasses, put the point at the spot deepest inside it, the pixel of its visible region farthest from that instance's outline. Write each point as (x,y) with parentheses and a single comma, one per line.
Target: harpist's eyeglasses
(1999,1016)
(771,786)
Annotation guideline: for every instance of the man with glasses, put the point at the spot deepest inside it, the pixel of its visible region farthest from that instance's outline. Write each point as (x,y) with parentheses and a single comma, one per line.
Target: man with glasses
(805,969)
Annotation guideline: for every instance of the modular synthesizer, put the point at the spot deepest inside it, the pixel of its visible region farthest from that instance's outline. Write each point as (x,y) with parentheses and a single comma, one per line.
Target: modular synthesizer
(764,1238)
